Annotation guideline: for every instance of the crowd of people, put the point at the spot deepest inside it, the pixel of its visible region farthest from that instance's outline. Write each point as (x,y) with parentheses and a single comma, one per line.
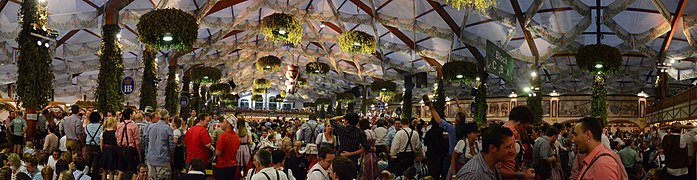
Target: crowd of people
(151,144)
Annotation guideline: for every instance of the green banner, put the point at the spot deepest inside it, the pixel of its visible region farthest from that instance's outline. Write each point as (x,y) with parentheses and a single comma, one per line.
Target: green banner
(499,62)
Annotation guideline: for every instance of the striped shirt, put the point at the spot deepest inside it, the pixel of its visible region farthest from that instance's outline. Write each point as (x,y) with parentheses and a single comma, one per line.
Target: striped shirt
(477,169)
(350,137)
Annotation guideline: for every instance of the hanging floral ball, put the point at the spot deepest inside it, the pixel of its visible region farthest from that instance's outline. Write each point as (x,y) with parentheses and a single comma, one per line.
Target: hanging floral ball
(459,72)
(479,5)
(283,28)
(257,97)
(317,68)
(220,88)
(258,91)
(268,63)
(357,42)
(384,87)
(262,83)
(168,28)
(599,59)
(345,97)
(204,74)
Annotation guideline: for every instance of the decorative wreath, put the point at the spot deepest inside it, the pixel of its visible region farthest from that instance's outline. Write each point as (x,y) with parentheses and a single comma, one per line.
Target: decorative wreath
(228,98)
(317,68)
(220,88)
(599,59)
(204,74)
(284,28)
(262,83)
(258,91)
(459,72)
(357,41)
(321,101)
(175,23)
(345,97)
(268,63)
(257,97)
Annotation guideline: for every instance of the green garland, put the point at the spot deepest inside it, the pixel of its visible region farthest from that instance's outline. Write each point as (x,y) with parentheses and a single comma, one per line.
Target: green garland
(220,88)
(357,41)
(258,91)
(302,82)
(481,108)
(180,25)
(35,75)
(172,90)
(317,68)
(459,72)
(599,59)
(386,88)
(345,97)
(269,63)
(228,98)
(535,104)
(599,99)
(277,99)
(262,83)
(204,74)
(479,5)
(257,97)
(108,94)
(283,28)
(148,88)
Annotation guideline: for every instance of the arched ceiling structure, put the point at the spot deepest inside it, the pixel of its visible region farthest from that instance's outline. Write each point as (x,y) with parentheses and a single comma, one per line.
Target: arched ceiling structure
(414,36)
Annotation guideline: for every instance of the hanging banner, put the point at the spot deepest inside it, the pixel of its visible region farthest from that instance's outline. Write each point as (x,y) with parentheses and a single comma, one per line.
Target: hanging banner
(499,62)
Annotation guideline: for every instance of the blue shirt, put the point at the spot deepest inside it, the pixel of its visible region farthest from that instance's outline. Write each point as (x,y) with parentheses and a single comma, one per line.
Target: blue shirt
(452,137)
(93,132)
(161,142)
(390,135)
(306,131)
(477,169)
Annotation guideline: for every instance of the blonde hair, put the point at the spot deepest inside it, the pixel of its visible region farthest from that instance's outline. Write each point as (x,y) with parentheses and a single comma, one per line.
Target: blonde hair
(14,158)
(137,116)
(66,175)
(110,122)
(163,113)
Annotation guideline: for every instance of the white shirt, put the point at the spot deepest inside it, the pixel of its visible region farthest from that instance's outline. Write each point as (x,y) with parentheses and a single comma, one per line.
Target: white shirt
(381,133)
(271,172)
(462,145)
(684,138)
(61,144)
(319,174)
(77,173)
(605,141)
(401,140)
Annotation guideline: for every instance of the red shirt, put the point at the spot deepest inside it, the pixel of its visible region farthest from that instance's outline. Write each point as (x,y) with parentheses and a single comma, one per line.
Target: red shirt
(228,144)
(196,139)
(510,166)
(604,167)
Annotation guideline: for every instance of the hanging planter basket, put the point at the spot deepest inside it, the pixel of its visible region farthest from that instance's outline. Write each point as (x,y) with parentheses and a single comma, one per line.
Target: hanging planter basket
(268,63)
(321,101)
(218,89)
(386,88)
(283,28)
(345,97)
(168,28)
(262,83)
(395,98)
(258,91)
(229,98)
(301,82)
(357,42)
(205,74)
(599,59)
(317,68)
(479,5)
(460,72)
(257,97)
(282,94)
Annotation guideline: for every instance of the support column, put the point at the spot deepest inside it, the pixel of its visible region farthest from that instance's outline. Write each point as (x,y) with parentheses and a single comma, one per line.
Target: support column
(406,103)
(440,99)
(364,100)
(184,112)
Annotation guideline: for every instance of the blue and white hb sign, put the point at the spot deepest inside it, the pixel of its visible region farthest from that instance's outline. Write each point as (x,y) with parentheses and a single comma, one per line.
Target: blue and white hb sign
(128,85)
(183,101)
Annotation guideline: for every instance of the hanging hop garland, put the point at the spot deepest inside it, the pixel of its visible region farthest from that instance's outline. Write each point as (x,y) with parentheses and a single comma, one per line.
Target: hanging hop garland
(258,91)
(302,82)
(479,5)
(262,83)
(257,97)
(386,88)
(345,97)
(156,24)
(268,63)
(282,94)
(599,59)
(357,41)
(317,68)
(459,72)
(220,88)
(283,28)
(204,74)
(229,98)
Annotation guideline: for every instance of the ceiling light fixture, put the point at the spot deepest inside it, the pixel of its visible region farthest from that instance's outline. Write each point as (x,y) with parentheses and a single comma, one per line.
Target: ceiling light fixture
(598,66)
(281,31)
(322,25)
(384,89)
(513,95)
(459,76)
(526,89)
(356,44)
(533,74)
(477,79)
(118,36)
(168,37)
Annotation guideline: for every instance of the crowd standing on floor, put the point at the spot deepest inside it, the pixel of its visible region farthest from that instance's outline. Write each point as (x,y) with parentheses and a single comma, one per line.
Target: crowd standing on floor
(151,144)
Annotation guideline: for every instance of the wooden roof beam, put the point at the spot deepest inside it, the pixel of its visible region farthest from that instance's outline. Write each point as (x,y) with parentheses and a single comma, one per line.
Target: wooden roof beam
(456,29)
(220,5)
(67,36)
(526,33)
(673,26)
